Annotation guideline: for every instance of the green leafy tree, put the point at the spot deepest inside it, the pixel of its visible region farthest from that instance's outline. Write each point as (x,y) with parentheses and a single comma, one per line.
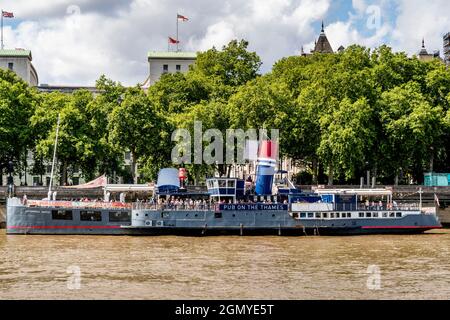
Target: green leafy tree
(135,125)
(17,104)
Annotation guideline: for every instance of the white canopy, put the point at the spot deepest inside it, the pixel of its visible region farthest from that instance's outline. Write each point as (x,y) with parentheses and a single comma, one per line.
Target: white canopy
(355,192)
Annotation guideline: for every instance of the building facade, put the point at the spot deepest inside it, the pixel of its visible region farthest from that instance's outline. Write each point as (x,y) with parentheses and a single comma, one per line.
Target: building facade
(168,62)
(425,56)
(321,45)
(20,62)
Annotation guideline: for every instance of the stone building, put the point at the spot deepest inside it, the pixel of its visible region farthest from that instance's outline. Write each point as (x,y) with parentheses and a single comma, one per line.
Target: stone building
(168,62)
(19,61)
(425,56)
(321,45)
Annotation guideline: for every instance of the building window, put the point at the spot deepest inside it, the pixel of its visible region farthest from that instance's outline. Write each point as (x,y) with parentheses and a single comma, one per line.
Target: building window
(165,68)
(178,68)
(90,216)
(75,181)
(119,216)
(127,155)
(36,181)
(11,66)
(62,215)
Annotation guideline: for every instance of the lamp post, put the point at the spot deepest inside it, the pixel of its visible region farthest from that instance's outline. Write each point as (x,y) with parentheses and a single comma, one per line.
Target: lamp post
(10,179)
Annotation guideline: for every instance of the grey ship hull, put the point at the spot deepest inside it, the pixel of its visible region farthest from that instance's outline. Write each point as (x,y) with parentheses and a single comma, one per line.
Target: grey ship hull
(25,220)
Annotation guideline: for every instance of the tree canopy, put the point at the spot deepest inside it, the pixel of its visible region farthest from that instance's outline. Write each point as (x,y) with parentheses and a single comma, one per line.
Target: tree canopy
(339,115)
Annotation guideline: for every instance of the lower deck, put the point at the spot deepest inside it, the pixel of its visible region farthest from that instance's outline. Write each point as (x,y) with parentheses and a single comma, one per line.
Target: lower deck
(271,221)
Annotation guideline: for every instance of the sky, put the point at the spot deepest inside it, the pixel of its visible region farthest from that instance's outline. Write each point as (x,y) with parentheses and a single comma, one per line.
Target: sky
(73,42)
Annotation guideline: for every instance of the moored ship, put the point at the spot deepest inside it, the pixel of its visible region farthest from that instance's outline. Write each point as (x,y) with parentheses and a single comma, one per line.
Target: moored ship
(230,206)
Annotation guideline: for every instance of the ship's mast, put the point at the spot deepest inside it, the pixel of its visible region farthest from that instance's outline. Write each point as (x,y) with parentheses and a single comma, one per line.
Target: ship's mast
(54,159)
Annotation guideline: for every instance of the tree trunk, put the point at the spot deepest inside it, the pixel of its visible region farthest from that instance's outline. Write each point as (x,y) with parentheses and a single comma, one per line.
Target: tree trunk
(432,160)
(315,170)
(330,175)
(133,167)
(63,180)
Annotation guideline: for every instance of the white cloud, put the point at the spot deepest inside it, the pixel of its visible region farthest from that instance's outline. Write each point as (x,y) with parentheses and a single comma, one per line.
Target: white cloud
(114,36)
(421,19)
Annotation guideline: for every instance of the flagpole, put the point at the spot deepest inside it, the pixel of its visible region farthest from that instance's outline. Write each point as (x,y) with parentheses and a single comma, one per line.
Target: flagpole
(2,31)
(177,33)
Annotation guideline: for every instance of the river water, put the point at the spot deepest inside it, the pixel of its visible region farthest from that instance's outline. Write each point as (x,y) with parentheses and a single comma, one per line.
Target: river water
(88,267)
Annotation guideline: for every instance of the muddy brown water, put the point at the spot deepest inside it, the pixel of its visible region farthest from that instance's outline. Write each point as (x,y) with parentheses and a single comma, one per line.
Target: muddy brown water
(103,267)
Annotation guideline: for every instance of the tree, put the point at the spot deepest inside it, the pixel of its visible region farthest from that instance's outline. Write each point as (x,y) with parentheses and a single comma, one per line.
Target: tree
(17,104)
(77,141)
(413,129)
(347,135)
(135,125)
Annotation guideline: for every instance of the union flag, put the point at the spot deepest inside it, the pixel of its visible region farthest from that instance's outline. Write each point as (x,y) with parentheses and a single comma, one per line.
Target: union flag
(6,14)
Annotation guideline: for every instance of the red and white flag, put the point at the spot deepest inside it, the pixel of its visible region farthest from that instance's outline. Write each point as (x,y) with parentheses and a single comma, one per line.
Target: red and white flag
(179,16)
(173,41)
(6,14)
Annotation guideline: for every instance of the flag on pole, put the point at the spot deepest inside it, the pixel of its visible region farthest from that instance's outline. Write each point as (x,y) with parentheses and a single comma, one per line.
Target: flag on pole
(6,14)
(173,41)
(180,17)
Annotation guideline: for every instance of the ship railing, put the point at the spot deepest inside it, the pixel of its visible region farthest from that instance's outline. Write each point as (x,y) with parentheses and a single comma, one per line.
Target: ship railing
(389,207)
(76,204)
(173,207)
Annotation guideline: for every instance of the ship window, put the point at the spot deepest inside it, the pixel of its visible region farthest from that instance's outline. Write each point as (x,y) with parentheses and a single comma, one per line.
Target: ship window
(399,214)
(338,215)
(90,216)
(317,215)
(165,215)
(361,214)
(218,215)
(385,214)
(222,183)
(311,215)
(391,215)
(325,215)
(231,184)
(368,214)
(119,216)
(375,214)
(302,215)
(62,215)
